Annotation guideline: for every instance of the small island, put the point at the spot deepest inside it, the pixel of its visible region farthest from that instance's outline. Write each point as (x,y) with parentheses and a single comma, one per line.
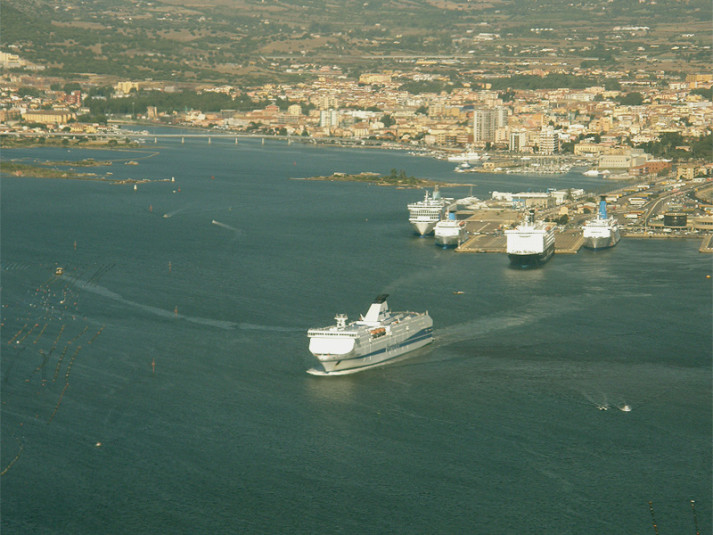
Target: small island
(24,170)
(395,178)
(35,171)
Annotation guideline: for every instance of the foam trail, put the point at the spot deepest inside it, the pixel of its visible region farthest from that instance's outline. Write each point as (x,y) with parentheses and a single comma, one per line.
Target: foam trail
(469,330)
(273,328)
(171,214)
(473,329)
(221,324)
(105,292)
(223,225)
(188,209)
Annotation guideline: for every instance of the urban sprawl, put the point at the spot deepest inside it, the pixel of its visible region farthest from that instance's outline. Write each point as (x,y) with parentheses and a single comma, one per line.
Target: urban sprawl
(643,130)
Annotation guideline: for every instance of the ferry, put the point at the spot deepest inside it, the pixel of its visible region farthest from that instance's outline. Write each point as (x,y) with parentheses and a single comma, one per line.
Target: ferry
(532,243)
(449,232)
(467,157)
(602,231)
(424,215)
(374,339)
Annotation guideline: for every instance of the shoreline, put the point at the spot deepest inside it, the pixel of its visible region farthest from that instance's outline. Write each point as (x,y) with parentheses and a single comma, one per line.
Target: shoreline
(380,180)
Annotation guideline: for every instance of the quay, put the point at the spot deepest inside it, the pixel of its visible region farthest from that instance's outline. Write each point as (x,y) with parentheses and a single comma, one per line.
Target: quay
(486,233)
(566,242)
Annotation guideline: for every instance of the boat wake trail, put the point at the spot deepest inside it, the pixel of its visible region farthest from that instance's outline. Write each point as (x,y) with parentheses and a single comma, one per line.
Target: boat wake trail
(105,292)
(171,214)
(272,328)
(237,231)
(470,330)
(220,324)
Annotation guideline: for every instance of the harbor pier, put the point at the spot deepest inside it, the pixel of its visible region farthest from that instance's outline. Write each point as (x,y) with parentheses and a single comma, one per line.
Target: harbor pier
(566,242)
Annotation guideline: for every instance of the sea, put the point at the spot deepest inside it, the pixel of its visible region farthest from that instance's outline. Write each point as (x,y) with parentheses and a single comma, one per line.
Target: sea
(156,382)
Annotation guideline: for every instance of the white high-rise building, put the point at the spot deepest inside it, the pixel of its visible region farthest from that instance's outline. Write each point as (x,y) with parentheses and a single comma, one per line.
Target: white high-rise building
(549,142)
(486,121)
(328,118)
(518,141)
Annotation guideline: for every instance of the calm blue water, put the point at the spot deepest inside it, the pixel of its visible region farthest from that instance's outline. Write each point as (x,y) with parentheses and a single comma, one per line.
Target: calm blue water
(180,322)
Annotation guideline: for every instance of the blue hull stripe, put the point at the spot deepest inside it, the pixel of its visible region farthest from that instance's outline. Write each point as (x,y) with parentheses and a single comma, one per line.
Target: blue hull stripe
(423,334)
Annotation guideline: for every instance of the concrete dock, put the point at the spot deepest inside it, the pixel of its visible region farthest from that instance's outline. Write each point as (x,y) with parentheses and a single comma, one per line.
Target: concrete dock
(566,242)
(707,245)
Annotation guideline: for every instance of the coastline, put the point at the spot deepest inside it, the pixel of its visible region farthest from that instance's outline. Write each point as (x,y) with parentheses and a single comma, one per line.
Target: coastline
(380,180)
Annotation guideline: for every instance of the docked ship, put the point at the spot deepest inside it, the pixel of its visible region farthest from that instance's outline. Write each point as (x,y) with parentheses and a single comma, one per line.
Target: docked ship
(466,157)
(374,339)
(424,215)
(531,243)
(602,231)
(449,232)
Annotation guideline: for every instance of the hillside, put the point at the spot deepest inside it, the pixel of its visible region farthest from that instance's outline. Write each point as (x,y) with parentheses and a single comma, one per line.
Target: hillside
(258,40)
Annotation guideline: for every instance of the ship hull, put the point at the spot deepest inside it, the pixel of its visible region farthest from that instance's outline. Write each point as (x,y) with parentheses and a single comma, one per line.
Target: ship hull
(424,228)
(376,354)
(531,260)
(601,242)
(448,241)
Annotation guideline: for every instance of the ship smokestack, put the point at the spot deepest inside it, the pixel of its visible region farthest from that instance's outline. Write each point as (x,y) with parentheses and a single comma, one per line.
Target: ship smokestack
(603,207)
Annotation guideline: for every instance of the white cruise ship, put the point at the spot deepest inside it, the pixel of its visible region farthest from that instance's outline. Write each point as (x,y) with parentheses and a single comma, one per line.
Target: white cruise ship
(469,156)
(449,232)
(374,339)
(602,231)
(424,215)
(531,243)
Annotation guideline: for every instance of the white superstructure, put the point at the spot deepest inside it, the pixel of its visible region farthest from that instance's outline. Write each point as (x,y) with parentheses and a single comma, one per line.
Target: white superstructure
(469,156)
(374,339)
(450,232)
(531,243)
(602,231)
(424,215)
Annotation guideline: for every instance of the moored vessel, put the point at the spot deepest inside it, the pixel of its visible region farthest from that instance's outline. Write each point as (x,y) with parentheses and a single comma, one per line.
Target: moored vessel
(602,231)
(375,339)
(423,215)
(449,232)
(469,156)
(532,243)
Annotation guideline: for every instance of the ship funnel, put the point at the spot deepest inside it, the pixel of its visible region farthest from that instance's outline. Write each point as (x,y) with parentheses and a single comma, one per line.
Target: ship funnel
(530,217)
(377,308)
(603,207)
(452,216)
(436,193)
